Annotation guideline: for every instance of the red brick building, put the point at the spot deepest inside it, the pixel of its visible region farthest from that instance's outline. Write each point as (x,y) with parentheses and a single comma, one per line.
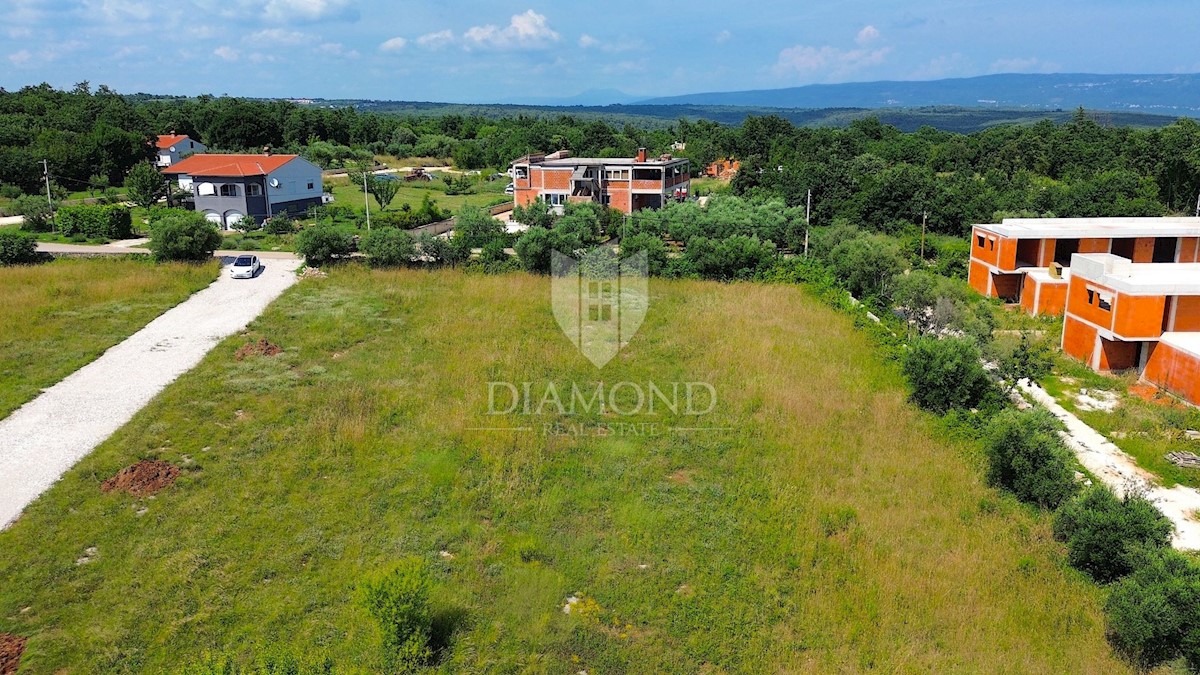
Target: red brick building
(626,185)
(1014,259)
(1124,315)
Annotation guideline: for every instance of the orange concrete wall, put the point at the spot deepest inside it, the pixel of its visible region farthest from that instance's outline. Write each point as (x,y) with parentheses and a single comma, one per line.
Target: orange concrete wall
(1047,252)
(1077,303)
(1079,339)
(1189,250)
(1143,250)
(1176,371)
(1187,313)
(648,185)
(555,180)
(620,201)
(984,253)
(1008,254)
(1138,316)
(1094,245)
(525,197)
(1044,298)
(978,275)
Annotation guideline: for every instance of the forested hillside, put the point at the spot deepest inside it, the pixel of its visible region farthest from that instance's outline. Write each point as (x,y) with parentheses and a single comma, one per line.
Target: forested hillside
(869,172)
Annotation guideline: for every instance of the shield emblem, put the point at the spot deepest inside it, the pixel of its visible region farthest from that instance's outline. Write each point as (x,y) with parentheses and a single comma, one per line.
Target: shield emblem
(599,299)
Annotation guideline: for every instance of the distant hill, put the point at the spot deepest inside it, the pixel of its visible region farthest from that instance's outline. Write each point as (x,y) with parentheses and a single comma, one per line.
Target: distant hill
(960,119)
(1177,95)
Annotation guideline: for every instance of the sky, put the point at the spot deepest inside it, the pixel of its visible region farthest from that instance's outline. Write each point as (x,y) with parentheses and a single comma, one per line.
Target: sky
(488,51)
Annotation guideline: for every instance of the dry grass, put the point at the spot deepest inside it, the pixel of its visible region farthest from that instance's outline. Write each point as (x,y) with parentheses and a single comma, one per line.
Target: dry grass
(55,318)
(834,529)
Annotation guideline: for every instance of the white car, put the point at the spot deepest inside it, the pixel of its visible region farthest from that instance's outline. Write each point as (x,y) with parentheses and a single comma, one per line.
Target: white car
(245,267)
(510,189)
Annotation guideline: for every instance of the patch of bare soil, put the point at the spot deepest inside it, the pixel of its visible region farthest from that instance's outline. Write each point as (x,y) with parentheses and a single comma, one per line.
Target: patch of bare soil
(261,348)
(681,477)
(142,479)
(11,648)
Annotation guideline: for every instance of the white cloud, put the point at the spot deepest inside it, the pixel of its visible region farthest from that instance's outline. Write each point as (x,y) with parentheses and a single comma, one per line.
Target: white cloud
(1030,64)
(586,41)
(226,52)
(621,45)
(279,36)
(20,58)
(337,49)
(436,40)
(524,31)
(866,36)
(393,45)
(827,60)
(723,37)
(951,65)
(308,10)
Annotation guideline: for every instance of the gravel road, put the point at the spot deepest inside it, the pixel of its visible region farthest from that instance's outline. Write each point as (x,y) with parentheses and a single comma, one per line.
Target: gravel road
(48,435)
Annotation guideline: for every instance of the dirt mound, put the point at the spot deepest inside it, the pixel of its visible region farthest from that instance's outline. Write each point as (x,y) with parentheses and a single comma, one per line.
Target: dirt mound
(11,648)
(261,348)
(144,478)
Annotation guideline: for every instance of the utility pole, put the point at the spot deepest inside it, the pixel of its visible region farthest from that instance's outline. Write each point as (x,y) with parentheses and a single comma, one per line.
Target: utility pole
(1198,206)
(49,200)
(366,203)
(924,217)
(807,221)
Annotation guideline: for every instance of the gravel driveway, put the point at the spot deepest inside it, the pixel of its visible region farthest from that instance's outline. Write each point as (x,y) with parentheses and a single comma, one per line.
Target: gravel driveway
(48,435)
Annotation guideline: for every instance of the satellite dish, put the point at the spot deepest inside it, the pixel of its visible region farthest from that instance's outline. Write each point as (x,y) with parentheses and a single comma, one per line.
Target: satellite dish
(274,182)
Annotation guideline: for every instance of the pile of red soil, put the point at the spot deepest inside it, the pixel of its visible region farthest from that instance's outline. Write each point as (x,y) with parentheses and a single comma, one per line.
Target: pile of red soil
(11,648)
(144,478)
(260,348)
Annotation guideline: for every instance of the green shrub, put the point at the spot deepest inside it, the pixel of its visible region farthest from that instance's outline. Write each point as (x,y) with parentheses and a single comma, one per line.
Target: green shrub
(946,374)
(280,223)
(95,221)
(1104,533)
(36,210)
(17,248)
(399,603)
(184,235)
(1154,613)
(10,191)
(736,257)
(389,247)
(320,244)
(1027,456)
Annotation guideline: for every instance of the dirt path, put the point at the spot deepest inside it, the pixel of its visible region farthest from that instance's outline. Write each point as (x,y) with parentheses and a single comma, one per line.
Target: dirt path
(47,436)
(1109,463)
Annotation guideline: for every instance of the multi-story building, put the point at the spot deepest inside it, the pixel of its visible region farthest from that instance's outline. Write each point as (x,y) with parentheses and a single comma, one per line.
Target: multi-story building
(1027,260)
(1122,315)
(173,147)
(227,188)
(627,185)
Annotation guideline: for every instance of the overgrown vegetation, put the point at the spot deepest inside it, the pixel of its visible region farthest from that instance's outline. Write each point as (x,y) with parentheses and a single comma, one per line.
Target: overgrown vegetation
(17,248)
(183,236)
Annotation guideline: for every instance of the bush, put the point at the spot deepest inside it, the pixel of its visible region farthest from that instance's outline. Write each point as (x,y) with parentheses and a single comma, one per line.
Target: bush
(1154,613)
(10,191)
(399,603)
(36,210)
(320,244)
(95,221)
(389,247)
(17,248)
(184,235)
(280,223)
(1104,533)
(736,257)
(1027,456)
(946,374)
(867,265)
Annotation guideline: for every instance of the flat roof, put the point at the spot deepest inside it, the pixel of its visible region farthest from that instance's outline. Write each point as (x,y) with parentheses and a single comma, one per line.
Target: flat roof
(572,162)
(1120,274)
(1186,342)
(1042,275)
(1094,228)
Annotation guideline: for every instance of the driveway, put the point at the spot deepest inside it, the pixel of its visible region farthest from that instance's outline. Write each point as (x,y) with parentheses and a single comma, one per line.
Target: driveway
(44,438)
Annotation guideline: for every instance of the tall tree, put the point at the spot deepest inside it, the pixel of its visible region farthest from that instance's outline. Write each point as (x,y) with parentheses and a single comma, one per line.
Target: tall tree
(145,185)
(383,190)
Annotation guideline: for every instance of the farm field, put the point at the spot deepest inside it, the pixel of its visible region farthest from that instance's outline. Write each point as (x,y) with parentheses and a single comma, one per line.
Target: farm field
(57,317)
(826,527)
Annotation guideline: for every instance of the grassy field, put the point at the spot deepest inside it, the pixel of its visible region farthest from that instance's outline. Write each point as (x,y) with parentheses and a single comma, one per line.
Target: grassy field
(57,317)
(830,528)
(486,192)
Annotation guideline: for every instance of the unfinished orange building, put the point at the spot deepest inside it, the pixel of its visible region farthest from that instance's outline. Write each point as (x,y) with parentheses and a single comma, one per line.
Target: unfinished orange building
(1027,260)
(1122,315)
(626,185)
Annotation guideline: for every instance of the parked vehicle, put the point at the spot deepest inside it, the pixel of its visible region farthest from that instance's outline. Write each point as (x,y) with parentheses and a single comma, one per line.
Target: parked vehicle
(245,267)
(510,189)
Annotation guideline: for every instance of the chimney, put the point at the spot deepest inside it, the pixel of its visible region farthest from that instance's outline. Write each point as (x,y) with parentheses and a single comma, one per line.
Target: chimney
(267,150)
(641,156)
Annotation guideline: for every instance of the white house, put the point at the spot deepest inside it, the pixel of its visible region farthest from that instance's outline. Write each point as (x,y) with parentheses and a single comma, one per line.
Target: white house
(227,188)
(174,147)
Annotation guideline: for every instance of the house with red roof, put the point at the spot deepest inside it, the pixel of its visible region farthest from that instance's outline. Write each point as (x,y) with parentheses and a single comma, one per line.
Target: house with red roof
(174,147)
(227,188)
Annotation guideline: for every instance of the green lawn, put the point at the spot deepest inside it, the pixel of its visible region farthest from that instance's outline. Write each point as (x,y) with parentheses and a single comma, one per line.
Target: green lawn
(54,318)
(486,192)
(830,528)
